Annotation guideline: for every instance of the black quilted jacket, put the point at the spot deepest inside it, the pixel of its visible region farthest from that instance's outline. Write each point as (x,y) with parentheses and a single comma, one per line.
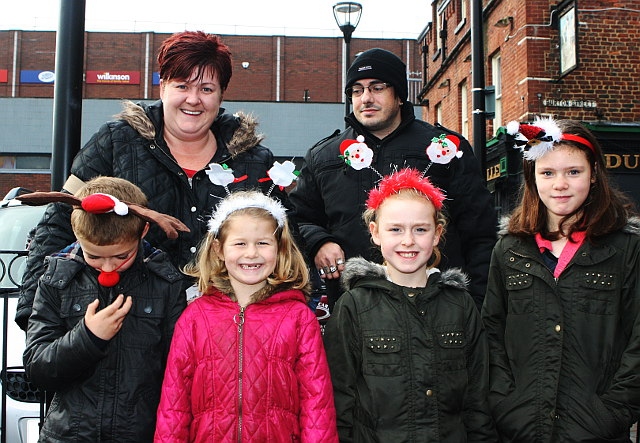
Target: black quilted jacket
(564,361)
(104,391)
(132,147)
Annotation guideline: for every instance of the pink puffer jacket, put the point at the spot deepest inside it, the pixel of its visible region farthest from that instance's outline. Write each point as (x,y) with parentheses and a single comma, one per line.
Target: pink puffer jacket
(264,379)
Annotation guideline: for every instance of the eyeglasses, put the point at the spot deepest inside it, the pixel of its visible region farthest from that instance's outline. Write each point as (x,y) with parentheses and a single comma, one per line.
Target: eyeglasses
(373,88)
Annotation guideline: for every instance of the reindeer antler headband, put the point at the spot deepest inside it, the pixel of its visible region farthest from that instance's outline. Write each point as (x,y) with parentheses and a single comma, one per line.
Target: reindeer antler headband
(103,203)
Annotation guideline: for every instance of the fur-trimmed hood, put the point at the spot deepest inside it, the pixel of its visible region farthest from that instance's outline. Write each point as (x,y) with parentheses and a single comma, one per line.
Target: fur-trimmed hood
(632,226)
(260,295)
(503,226)
(357,268)
(244,126)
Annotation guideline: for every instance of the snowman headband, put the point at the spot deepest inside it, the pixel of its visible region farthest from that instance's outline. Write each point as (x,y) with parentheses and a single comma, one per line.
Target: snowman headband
(405,179)
(539,138)
(281,174)
(100,203)
(236,202)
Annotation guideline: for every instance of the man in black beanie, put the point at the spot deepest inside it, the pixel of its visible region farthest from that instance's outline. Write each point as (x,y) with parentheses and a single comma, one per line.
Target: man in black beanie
(382,129)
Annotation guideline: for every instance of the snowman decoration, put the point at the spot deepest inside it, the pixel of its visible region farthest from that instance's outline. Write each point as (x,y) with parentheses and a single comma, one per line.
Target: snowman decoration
(281,174)
(222,175)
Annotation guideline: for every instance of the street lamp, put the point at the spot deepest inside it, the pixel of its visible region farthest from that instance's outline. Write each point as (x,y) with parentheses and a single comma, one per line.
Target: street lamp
(347,15)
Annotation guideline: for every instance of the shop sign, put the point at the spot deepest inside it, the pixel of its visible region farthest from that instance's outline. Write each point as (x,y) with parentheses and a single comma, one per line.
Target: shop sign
(113,77)
(497,170)
(28,76)
(622,162)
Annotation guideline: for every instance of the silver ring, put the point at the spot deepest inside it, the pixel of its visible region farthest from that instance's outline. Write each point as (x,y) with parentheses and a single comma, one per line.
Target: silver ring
(332,269)
(321,271)
(339,261)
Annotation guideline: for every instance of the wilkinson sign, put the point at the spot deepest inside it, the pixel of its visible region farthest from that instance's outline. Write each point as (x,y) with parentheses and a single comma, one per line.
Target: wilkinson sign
(113,77)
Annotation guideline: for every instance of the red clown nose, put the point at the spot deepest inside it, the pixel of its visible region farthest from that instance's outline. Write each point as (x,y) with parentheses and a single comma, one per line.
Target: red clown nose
(109,279)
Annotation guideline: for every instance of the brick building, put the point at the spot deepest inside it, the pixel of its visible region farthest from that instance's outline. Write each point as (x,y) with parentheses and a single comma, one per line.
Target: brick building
(267,71)
(565,59)
(588,71)
(124,65)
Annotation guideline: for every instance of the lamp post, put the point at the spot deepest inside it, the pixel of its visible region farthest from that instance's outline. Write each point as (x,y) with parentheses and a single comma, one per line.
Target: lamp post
(477,78)
(347,15)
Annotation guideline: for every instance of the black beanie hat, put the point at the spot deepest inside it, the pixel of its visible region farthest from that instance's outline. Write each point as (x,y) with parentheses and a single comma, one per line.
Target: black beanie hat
(382,65)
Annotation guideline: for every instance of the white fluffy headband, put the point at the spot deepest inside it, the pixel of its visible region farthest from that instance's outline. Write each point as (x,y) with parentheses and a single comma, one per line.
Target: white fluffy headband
(235,202)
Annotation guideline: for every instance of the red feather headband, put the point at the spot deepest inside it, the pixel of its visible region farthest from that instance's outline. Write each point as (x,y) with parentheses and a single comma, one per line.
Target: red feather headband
(404,179)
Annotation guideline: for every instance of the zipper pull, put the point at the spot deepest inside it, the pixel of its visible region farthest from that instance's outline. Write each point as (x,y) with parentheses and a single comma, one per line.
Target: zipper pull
(238,319)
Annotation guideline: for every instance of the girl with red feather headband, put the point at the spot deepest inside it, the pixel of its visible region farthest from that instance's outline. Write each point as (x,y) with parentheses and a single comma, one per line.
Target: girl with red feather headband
(404,333)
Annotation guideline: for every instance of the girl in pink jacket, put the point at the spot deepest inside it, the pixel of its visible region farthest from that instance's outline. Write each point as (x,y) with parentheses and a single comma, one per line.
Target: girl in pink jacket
(246,362)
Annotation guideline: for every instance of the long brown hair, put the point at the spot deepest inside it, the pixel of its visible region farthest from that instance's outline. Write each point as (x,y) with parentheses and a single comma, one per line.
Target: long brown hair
(604,211)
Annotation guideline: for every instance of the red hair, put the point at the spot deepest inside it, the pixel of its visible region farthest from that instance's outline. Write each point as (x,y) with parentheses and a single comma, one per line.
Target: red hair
(184,53)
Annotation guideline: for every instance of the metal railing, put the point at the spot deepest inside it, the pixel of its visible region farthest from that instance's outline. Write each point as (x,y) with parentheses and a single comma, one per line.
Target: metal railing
(13,381)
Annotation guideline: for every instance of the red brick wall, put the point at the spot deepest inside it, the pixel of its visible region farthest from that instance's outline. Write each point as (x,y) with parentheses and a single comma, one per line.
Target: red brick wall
(6,61)
(115,52)
(609,51)
(257,81)
(36,51)
(313,63)
(607,72)
(34,182)
(454,68)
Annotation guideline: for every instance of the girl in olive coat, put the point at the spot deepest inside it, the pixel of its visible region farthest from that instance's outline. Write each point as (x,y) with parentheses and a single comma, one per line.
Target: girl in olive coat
(563,301)
(405,344)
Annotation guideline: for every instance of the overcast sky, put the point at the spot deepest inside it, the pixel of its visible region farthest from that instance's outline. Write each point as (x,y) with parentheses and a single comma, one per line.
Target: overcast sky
(380,18)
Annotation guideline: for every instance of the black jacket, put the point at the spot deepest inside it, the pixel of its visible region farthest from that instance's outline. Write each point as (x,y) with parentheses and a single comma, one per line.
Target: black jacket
(133,148)
(104,391)
(408,364)
(564,359)
(330,196)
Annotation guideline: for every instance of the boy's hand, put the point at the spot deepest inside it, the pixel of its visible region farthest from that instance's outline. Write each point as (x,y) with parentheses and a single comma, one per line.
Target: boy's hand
(106,323)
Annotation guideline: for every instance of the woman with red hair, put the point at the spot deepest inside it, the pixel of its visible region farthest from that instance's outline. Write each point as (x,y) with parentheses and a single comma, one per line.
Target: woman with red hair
(171,149)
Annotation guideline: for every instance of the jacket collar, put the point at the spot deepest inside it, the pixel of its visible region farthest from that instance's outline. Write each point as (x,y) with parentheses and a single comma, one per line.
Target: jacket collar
(359,270)
(148,259)
(268,294)
(632,226)
(239,131)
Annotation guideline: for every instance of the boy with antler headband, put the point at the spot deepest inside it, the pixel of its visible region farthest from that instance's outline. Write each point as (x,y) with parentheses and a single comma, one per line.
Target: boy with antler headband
(103,317)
